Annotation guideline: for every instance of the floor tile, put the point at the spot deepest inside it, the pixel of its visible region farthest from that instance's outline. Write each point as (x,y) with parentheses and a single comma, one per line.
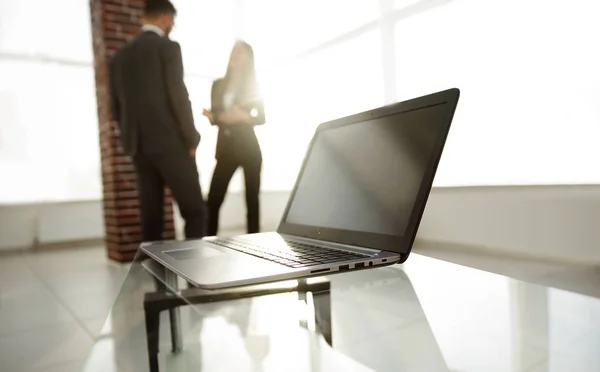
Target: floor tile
(104,355)
(74,366)
(21,287)
(79,283)
(29,313)
(54,259)
(559,363)
(44,347)
(91,306)
(96,327)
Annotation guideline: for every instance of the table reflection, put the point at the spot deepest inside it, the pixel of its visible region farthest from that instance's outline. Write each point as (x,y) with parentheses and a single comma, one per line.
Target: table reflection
(425,315)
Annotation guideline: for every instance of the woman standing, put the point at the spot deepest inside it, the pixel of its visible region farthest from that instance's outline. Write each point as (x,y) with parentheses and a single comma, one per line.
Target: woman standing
(236,109)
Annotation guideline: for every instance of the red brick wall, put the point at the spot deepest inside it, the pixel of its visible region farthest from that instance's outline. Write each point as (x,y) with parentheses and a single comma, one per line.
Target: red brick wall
(113,23)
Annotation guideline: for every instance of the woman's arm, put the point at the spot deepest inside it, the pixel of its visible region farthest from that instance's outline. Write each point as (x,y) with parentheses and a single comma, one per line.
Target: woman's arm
(257,113)
(257,107)
(251,111)
(216,103)
(240,115)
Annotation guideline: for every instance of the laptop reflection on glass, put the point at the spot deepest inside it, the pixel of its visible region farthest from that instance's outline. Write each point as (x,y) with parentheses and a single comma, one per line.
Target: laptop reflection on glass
(356,204)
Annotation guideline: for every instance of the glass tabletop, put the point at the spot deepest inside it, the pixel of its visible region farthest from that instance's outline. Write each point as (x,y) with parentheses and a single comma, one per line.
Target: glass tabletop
(424,315)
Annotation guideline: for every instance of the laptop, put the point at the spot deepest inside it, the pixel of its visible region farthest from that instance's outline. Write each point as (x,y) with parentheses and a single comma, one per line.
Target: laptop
(356,204)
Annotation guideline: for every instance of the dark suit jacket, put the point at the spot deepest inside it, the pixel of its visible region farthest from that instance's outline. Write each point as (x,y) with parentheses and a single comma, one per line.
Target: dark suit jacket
(237,140)
(149,99)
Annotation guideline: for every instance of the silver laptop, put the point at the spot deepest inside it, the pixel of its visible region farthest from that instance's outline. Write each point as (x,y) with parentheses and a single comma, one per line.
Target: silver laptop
(356,204)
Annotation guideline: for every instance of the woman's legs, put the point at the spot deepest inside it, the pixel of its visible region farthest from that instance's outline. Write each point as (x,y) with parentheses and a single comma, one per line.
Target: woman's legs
(224,170)
(252,169)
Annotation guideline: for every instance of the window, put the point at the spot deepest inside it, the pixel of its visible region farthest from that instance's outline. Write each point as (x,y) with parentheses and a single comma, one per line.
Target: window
(338,81)
(280,30)
(59,29)
(528,112)
(206,34)
(300,92)
(49,147)
(408,4)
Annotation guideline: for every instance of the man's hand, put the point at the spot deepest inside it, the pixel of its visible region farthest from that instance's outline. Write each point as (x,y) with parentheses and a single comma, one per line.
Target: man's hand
(237,112)
(236,115)
(192,153)
(239,115)
(209,115)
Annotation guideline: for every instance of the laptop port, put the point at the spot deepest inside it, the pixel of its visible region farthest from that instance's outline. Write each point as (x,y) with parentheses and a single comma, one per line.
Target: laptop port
(318,271)
(359,265)
(344,267)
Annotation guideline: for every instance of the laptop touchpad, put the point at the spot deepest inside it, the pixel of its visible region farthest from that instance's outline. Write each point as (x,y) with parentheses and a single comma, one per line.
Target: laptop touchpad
(191,253)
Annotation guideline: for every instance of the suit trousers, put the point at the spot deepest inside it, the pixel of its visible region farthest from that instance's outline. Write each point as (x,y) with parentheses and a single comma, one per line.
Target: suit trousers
(179,172)
(224,170)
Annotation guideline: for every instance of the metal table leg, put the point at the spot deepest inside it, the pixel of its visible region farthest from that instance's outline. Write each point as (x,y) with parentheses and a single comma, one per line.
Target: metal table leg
(156,302)
(152,318)
(318,304)
(322,306)
(174,314)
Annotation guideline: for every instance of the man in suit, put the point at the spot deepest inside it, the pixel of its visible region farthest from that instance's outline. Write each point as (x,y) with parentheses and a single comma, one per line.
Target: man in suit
(150,102)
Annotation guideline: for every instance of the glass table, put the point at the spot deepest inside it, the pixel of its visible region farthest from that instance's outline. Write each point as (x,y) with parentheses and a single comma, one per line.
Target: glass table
(424,315)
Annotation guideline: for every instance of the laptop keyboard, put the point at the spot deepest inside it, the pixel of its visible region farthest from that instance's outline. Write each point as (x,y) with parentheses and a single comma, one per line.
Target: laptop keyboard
(289,253)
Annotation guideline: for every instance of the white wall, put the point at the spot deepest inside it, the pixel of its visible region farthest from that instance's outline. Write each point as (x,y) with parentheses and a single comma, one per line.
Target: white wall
(23,226)
(542,222)
(26,225)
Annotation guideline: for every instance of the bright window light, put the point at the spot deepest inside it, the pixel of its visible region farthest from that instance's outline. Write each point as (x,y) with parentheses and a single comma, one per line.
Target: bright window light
(30,27)
(49,146)
(528,73)
(205,31)
(283,29)
(530,83)
(335,82)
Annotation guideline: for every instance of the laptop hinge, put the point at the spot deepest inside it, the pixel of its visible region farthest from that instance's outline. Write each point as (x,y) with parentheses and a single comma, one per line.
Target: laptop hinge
(326,243)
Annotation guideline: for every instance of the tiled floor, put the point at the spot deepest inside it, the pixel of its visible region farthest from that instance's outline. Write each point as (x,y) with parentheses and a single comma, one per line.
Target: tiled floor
(54,304)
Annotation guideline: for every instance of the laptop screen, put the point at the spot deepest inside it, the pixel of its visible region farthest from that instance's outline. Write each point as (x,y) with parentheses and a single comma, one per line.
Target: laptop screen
(366,176)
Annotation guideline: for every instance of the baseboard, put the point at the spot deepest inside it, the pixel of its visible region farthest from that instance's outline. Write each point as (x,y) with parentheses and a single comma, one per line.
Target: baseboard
(49,247)
(10,251)
(83,243)
(542,223)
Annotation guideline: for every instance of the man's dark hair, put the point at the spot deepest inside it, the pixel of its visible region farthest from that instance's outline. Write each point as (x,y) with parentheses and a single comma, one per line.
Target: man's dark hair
(154,8)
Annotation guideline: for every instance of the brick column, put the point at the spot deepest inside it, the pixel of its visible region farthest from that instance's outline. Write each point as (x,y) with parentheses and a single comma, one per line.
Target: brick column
(113,23)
